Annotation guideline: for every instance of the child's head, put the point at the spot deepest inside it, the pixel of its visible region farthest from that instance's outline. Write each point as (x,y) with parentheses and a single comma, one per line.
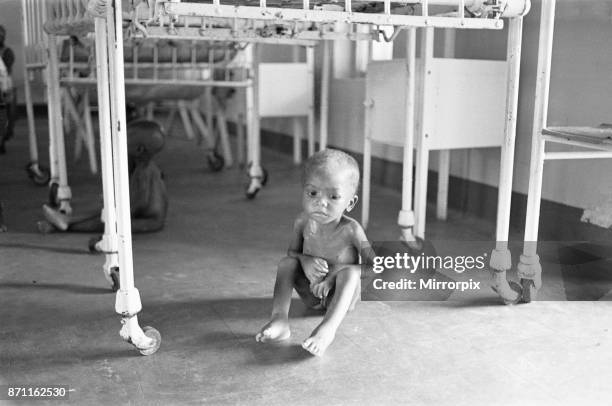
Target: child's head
(145,139)
(330,179)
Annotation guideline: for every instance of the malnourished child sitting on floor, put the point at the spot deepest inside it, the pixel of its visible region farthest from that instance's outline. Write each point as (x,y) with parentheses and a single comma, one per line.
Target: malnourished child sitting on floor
(322,262)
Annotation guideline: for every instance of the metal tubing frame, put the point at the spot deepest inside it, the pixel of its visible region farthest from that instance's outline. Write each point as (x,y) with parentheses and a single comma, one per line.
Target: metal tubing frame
(325,82)
(27,38)
(536,166)
(444,154)
(310,62)
(127,302)
(56,145)
(109,242)
(406,215)
(326,16)
(298,129)
(423,124)
(513,60)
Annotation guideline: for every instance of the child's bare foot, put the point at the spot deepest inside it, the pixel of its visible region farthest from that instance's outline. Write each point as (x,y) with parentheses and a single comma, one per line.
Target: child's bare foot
(277,329)
(319,340)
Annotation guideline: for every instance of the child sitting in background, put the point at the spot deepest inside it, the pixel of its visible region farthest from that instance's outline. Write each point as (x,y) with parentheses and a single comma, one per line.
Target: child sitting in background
(322,263)
(148,196)
(8,94)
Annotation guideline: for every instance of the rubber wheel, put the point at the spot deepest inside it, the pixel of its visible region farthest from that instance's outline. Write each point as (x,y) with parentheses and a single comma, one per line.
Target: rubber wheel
(53,201)
(40,177)
(115,277)
(251,195)
(92,244)
(517,288)
(529,290)
(264,178)
(216,162)
(154,334)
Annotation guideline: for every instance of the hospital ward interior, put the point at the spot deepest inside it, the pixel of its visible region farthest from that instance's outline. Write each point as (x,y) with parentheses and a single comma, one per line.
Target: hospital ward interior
(297,202)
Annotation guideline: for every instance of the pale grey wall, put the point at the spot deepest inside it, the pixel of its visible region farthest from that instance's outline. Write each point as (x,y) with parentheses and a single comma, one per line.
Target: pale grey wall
(581,94)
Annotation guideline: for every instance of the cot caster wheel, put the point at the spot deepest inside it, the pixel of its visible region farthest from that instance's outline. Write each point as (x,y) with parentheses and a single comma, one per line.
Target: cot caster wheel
(114,275)
(216,162)
(530,292)
(256,182)
(516,288)
(38,174)
(154,334)
(53,200)
(264,177)
(92,244)
(252,190)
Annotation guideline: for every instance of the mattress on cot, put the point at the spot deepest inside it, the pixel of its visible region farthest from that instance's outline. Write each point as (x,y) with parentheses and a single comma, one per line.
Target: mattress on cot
(361,6)
(204,52)
(139,93)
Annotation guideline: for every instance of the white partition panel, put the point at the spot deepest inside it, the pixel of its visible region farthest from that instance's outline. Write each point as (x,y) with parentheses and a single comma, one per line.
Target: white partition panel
(385,83)
(469,104)
(284,89)
(466,109)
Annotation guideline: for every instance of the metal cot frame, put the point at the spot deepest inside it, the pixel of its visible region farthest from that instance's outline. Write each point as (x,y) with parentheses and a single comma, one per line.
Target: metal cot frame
(595,143)
(110,71)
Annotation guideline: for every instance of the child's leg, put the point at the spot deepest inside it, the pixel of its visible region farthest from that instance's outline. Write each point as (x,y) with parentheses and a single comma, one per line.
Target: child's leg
(278,326)
(347,283)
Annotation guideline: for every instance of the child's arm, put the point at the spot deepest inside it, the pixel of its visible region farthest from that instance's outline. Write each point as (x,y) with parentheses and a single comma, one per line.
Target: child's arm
(314,268)
(360,243)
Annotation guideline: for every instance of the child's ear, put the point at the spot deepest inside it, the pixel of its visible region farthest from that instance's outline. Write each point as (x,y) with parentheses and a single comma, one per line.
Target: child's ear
(352,203)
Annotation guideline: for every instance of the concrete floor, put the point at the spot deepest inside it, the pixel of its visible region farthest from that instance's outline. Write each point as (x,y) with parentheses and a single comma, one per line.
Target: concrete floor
(206,284)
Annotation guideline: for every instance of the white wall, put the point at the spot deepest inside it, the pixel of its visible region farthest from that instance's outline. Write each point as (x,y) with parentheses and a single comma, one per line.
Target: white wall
(581,94)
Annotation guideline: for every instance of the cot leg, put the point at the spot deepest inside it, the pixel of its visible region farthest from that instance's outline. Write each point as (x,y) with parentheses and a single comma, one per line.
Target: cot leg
(60,193)
(298,131)
(423,127)
(151,111)
(257,174)
(91,142)
(443,172)
(500,262)
(84,128)
(444,155)
(298,135)
(223,133)
(529,269)
(184,113)
(109,244)
(170,119)
(420,191)
(311,113)
(406,218)
(240,139)
(215,161)
(367,163)
(39,175)
(208,113)
(325,72)
(127,302)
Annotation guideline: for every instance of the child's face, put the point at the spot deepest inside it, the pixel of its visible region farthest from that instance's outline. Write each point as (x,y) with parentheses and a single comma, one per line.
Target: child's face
(327,194)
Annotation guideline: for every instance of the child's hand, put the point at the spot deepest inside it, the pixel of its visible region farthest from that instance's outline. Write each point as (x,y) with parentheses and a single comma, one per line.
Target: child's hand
(321,289)
(314,268)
